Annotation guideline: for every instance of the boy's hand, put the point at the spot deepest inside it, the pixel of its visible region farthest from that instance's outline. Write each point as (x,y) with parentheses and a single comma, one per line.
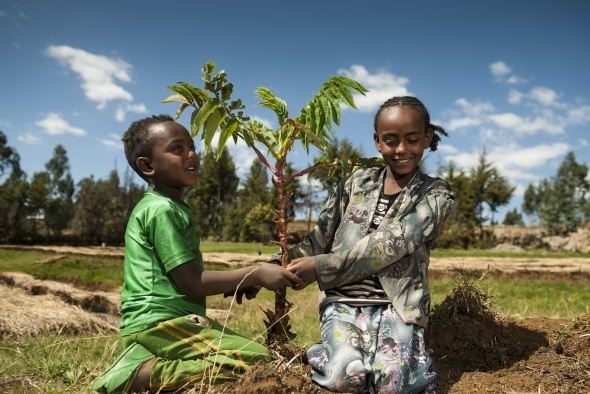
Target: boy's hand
(304,268)
(249,292)
(275,278)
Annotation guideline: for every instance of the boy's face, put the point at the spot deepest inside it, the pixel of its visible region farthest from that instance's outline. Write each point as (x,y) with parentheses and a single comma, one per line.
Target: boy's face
(401,140)
(174,163)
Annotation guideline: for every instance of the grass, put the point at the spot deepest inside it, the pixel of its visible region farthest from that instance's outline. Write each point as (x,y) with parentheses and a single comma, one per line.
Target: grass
(536,253)
(67,364)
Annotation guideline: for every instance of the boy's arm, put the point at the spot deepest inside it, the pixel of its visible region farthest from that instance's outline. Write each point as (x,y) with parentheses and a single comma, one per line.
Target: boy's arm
(380,248)
(193,282)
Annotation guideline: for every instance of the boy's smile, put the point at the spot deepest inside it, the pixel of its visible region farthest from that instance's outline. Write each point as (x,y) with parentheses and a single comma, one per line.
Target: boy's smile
(174,163)
(401,140)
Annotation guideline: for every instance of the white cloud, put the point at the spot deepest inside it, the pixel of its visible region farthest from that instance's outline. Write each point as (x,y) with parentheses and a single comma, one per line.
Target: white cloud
(544,95)
(514,96)
(98,73)
(515,79)
(474,109)
(500,69)
(459,123)
(29,138)
(123,108)
(382,86)
(583,142)
(264,121)
(447,149)
(527,157)
(53,124)
(579,115)
(528,125)
(113,143)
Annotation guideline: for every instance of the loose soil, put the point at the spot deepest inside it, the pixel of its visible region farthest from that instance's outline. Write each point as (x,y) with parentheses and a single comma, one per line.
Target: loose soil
(475,349)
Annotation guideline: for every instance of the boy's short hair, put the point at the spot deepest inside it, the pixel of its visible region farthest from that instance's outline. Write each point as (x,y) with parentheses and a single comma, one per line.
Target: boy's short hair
(138,142)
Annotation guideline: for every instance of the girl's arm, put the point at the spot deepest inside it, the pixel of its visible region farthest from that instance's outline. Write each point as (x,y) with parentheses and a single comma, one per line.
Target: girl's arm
(381,248)
(319,240)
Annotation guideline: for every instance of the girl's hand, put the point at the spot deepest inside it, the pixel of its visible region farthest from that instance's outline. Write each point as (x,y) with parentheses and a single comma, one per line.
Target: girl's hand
(304,268)
(274,277)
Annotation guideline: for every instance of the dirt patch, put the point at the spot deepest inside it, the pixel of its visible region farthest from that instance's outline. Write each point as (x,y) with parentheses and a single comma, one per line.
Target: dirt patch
(475,349)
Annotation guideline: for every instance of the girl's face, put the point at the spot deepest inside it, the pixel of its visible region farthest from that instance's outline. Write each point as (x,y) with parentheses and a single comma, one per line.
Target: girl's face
(401,140)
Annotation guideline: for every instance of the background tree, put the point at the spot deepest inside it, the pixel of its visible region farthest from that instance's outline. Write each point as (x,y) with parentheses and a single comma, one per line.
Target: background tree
(254,204)
(214,194)
(13,194)
(490,188)
(214,109)
(103,207)
(458,230)
(60,207)
(513,218)
(562,199)
(530,203)
(342,149)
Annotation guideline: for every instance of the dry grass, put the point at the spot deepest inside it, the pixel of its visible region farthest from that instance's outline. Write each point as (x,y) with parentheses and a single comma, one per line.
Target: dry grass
(25,316)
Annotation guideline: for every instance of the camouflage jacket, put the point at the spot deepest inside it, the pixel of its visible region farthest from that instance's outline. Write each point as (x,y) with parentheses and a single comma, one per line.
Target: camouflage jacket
(398,251)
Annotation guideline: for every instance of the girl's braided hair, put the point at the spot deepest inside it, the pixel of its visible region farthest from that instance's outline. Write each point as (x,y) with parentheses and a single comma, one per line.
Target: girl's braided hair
(409,101)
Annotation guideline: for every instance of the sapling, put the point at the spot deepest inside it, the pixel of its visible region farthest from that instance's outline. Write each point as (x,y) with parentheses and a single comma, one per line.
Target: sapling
(214,109)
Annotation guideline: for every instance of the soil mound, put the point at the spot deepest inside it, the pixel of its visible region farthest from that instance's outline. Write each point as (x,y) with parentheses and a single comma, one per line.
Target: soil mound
(477,350)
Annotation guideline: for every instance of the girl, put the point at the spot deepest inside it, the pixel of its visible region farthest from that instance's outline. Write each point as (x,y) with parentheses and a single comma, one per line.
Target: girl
(369,253)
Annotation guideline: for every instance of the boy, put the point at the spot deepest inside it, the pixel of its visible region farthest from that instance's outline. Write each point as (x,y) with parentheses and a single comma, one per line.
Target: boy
(169,342)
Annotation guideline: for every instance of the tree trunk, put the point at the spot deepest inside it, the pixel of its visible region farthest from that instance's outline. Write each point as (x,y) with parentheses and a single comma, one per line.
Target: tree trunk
(279,329)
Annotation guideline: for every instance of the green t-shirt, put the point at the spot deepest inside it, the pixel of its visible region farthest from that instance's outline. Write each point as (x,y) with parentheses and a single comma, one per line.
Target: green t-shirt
(160,236)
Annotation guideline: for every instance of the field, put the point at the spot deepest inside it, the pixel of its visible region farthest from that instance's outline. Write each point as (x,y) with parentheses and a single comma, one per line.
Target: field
(526,330)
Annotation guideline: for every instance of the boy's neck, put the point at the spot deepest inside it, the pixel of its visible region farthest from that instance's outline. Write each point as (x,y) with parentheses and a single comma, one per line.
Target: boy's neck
(174,194)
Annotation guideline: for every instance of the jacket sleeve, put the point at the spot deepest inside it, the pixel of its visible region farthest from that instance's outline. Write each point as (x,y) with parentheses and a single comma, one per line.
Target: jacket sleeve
(319,240)
(393,241)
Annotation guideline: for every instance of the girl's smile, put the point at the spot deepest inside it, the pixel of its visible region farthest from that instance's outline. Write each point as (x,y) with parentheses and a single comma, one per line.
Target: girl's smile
(401,138)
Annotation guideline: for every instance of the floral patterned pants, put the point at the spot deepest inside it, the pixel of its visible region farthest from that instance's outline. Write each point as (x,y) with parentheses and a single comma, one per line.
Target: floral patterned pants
(370,350)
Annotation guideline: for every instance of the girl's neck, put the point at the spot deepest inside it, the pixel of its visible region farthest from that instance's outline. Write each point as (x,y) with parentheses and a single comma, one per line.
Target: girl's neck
(393,184)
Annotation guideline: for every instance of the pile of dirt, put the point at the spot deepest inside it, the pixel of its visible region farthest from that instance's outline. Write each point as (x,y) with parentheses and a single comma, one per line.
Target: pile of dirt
(538,237)
(475,350)
(269,379)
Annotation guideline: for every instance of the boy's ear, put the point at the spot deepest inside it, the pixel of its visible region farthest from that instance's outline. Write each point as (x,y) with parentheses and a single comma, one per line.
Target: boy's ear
(144,165)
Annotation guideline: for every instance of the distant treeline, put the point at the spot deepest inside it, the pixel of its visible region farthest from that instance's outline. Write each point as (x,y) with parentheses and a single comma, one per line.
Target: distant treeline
(48,207)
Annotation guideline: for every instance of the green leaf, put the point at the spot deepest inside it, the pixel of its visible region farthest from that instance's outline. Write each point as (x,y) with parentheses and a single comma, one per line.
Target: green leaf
(325,107)
(183,92)
(211,127)
(175,97)
(335,106)
(203,114)
(180,109)
(345,166)
(270,101)
(209,67)
(226,131)
(199,95)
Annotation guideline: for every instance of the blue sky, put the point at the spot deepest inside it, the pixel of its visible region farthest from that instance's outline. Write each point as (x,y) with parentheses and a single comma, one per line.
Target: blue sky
(507,76)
